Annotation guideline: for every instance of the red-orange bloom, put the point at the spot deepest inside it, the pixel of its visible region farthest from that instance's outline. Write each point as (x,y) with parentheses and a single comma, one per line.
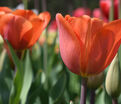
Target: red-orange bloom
(5,9)
(87,45)
(22,28)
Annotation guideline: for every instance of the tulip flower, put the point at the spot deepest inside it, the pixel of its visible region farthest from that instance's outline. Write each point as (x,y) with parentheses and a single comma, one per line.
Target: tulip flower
(98,14)
(81,11)
(87,45)
(51,34)
(5,9)
(53,26)
(105,6)
(22,28)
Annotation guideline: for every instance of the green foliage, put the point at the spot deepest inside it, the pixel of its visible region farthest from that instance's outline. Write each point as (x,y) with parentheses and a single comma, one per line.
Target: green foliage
(30,83)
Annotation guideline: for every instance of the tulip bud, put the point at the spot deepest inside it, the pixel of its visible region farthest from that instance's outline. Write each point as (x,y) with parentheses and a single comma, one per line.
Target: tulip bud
(113,83)
(1,39)
(94,82)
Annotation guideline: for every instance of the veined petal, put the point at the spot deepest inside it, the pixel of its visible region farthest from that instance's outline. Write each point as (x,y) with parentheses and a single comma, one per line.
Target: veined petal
(92,46)
(79,25)
(69,45)
(13,28)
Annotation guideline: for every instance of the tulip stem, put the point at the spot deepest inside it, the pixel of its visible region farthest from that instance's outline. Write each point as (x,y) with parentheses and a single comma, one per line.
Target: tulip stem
(92,97)
(119,9)
(114,101)
(111,16)
(25,2)
(83,91)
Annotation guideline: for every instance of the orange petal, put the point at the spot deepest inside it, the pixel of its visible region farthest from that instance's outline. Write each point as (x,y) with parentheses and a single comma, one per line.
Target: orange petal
(69,45)
(82,29)
(105,47)
(28,14)
(79,25)
(88,59)
(13,28)
(45,16)
(114,28)
(5,9)
(38,25)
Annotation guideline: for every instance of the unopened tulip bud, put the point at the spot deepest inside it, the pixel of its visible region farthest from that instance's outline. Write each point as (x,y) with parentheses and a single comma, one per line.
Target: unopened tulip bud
(94,82)
(1,39)
(113,79)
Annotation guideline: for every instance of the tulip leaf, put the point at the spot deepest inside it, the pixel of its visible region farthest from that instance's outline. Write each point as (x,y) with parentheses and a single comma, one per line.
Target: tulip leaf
(5,81)
(58,89)
(28,76)
(18,79)
(1,100)
(100,97)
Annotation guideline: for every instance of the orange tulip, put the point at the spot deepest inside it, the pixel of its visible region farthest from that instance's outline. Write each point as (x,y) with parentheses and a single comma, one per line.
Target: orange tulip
(87,45)
(5,9)
(22,28)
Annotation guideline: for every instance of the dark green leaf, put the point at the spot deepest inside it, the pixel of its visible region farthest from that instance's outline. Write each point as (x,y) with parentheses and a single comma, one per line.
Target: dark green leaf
(18,79)
(57,90)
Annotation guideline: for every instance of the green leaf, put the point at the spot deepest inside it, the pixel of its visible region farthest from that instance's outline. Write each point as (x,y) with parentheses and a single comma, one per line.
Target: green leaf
(1,100)
(100,97)
(57,90)
(28,76)
(18,79)
(14,56)
(5,81)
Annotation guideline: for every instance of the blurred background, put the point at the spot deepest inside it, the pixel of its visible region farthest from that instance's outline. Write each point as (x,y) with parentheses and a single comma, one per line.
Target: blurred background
(53,6)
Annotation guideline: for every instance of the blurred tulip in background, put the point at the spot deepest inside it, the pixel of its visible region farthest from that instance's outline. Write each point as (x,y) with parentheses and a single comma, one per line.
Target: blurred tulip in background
(105,6)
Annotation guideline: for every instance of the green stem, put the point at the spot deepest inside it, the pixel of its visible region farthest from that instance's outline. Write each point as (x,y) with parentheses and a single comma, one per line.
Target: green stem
(111,14)
(119,9)
(25,2)
(45,53)
(83,91)
(45,61)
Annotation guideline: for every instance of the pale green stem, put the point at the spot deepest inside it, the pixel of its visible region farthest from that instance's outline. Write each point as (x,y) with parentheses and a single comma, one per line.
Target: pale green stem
(25,2)
(111,14)
(119,9)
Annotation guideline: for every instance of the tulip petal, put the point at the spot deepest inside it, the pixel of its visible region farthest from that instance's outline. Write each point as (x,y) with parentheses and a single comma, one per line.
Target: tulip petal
(105,47)
(93,28)
(5,9)
(45,16)
(114,27)
(38,25)
(79,25)
(13,28)
(69,45)
(28,14)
